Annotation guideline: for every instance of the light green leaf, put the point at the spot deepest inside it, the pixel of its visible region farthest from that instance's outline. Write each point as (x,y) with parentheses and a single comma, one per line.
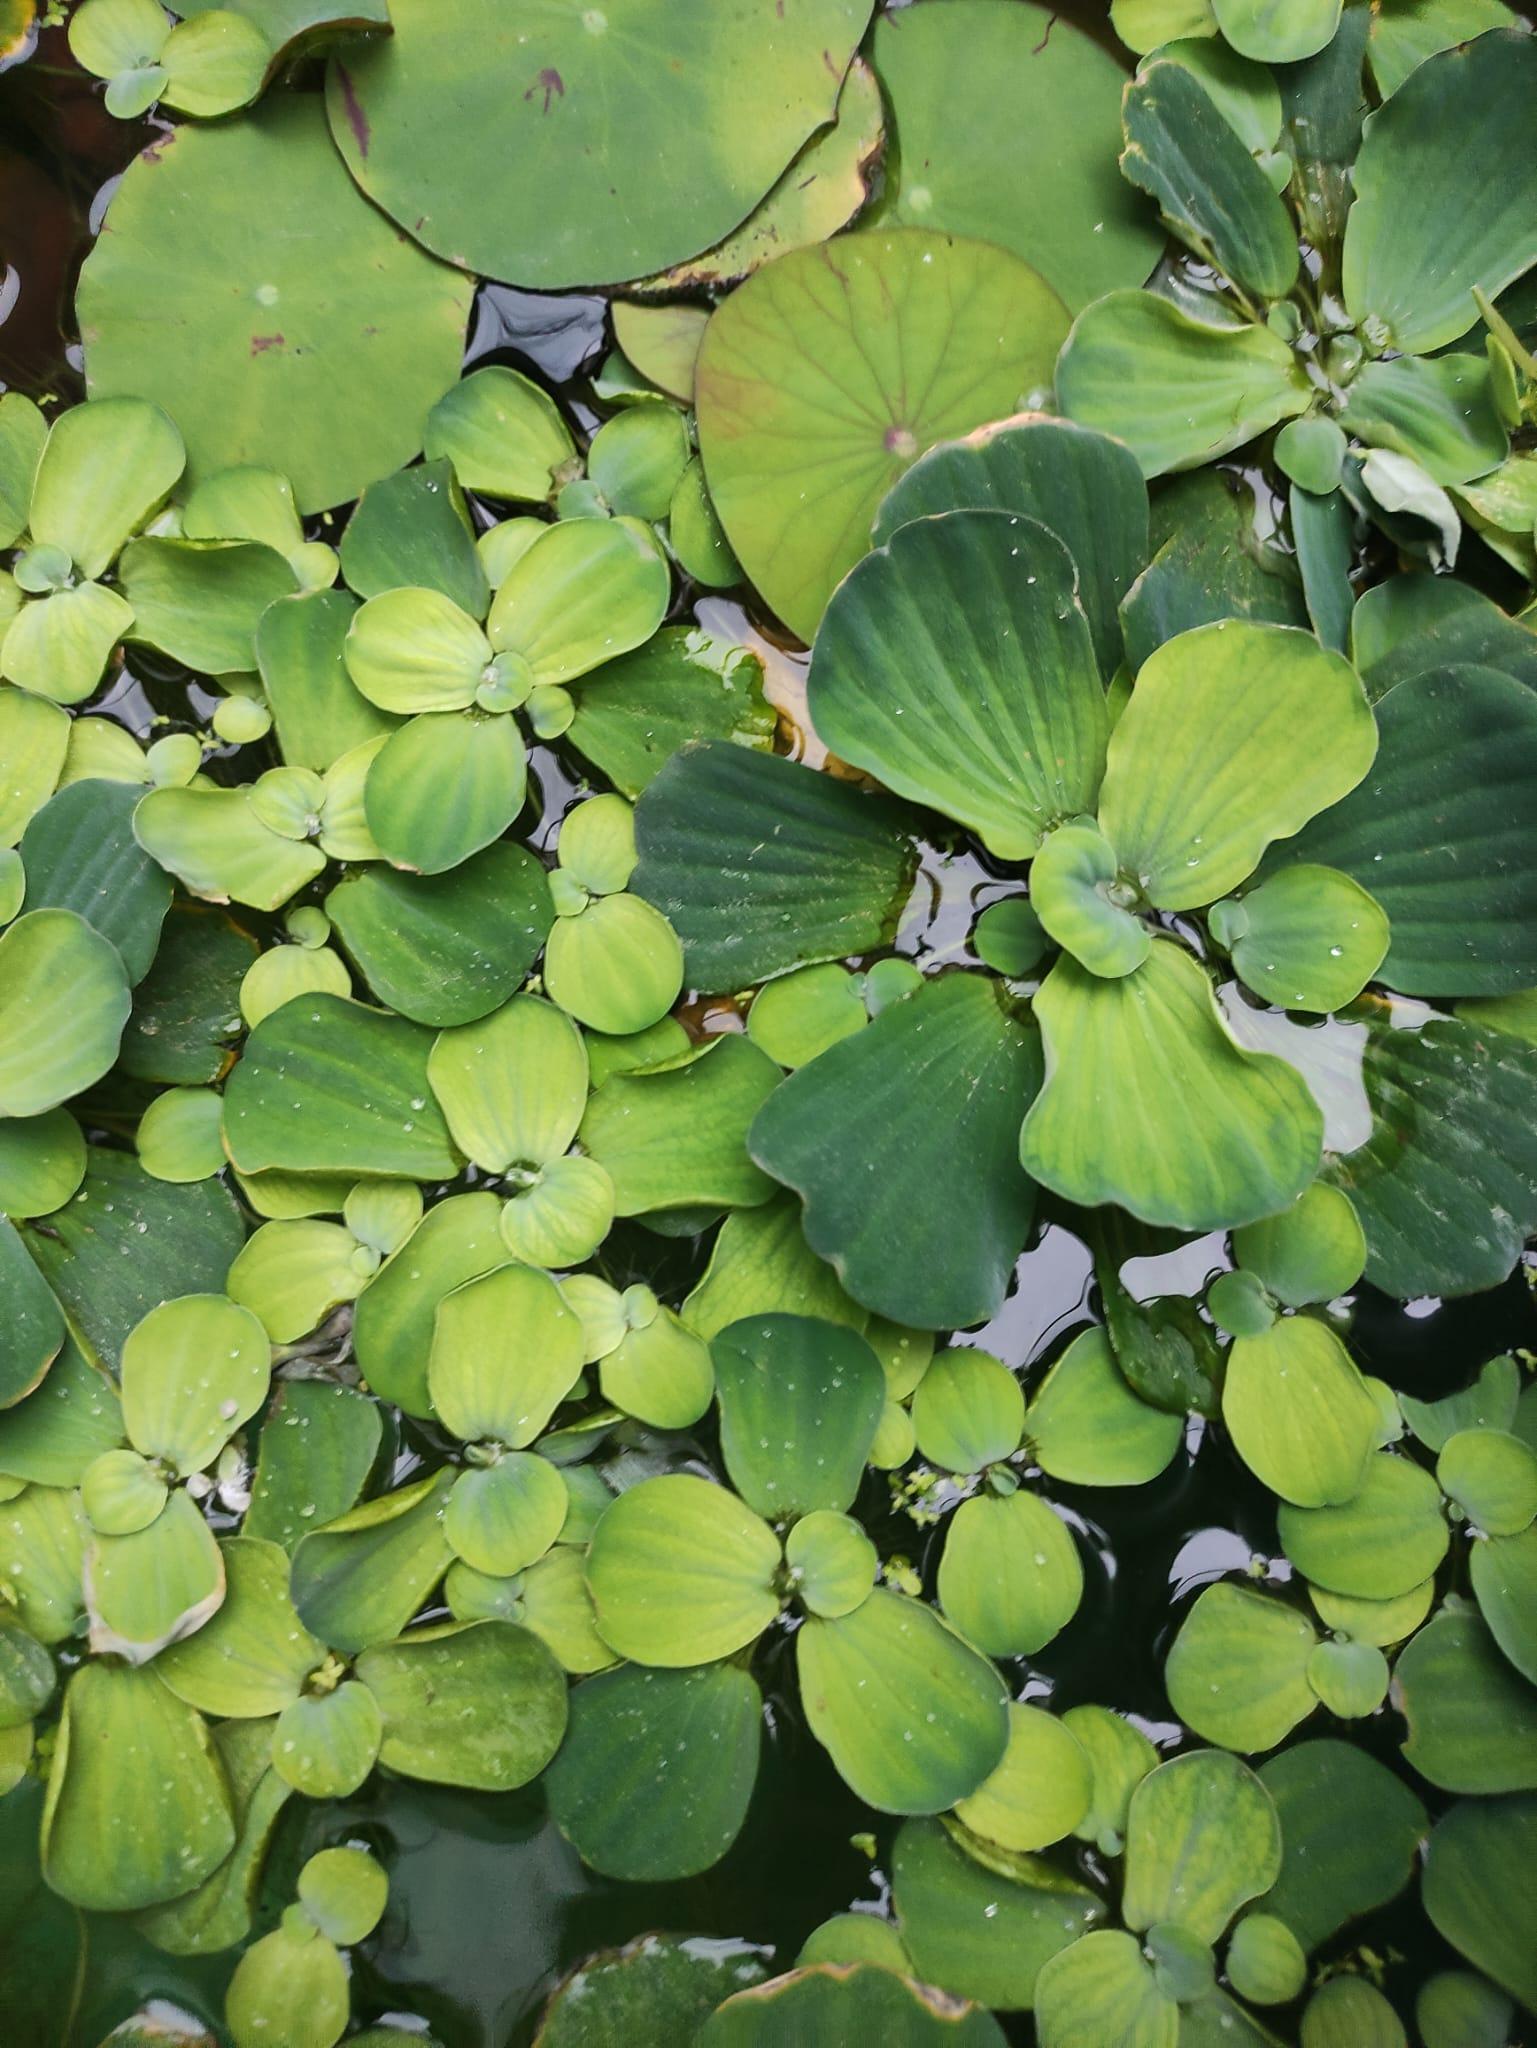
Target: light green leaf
(512,1085)
(253,1656)
(505,1352)
(200,601)
(1041,1790)
(844,2003)
(58,646)
(503,435)
(956,664)
(1440,413)
(1300,1415)
(63,1004)
(1074,882)
(34,736)
(1311,1252)
(287,1985)
(1010,1578)
(138,1807)
(1388,1538)
(1100,1991)
(832,1562)
(1309,938)
(1235,735)
(1176,391)
(585,592)
(968,1410)
(216,843)
(106,467)
(481,1704)
(150,1588)
(1278,31)
(681,1573)
(1108,1040)
(786,380)
(481,759)
(1503,1570)
(1492,1477)
(1085,1425)
(300,654)
(392,1327)
(1237,1671)
(359,1580)
(870,1680)
(616,966)
(193,1371)
(674,1137)
(1203,1838)
(326,1743)
(1475,1888)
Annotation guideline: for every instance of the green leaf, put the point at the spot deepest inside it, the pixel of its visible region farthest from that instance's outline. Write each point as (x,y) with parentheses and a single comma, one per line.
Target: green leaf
(668,1982)
(1278,31)
(1210,191)
(481,759)
(1440,413)
(1351,1830)
(217,1913)
(761,1263)
(786,382)
(1176,391)
(326,1743)
(869,1682)
(760,865)
(1439,833)
(1309,938)
(1211,563)
(317,1445)
(63,1004)
(1202,1839)
(359,1580)
(503,1517)
(217,844)
(445,949)
(1237,1671)
(1054,136)
(1389,1537)
(637,459)
(481,1704)
(327,1086)
(1010,1578)
(128,1242)
(1300,1415)
(1446,1185)
(415,649)
(682,1573)
(675,1137)
(412,528)
(104,470)
(653,1780)
(1457,2009)
(833,1564)
(253,1656)
(1472,1719)
(1099,1990)
(285,1985)
(200,601)
(59,646)
(584,592)
(154,1585)
(344,1893)
(319,711)
(1235,735)
(588,209)
(188,1004)
(634,714)
(505,1352)
(80,854)
(1106,1040)
(911,637)
(1349,2012)
(1503,1570)
(1475,1888)
(1041,1790)
(327,385)
(392,1327)
(1491,1401)
(800,1014)
(844,2004)
(1085,487)
(931,1235)
(34,1323)
(975,1930)
(1477,228)
(1085,1425)
(799,1405)
(138,1807)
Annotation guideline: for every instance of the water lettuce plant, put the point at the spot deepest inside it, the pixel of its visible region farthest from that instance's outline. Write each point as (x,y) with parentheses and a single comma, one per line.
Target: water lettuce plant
(787,1298)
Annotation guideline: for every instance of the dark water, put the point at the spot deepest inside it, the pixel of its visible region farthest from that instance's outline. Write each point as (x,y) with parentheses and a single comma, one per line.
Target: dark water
(488,1904)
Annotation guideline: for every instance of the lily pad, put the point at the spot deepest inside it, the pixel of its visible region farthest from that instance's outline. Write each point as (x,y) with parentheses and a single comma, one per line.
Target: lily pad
(1475,1890)
(786,382)
(1010,1578)
(1053,136)
(577,201)
(63,1003)
(1389,1537)
(481,1704)
(1300,1415)
(799,1405)
(324,365)
(681,1572)
(1202,1839)
(1102,1989)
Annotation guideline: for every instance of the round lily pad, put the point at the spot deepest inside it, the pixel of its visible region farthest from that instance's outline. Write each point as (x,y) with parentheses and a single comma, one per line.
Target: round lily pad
(537,162)
(315,351)
(1010,1578)
(788,387)
(1388,1538)
(681,1572)
(63,1004)
(1040,1791)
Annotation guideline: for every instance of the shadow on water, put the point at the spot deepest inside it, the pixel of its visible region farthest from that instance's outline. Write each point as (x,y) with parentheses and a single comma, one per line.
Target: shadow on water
(489,1905)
